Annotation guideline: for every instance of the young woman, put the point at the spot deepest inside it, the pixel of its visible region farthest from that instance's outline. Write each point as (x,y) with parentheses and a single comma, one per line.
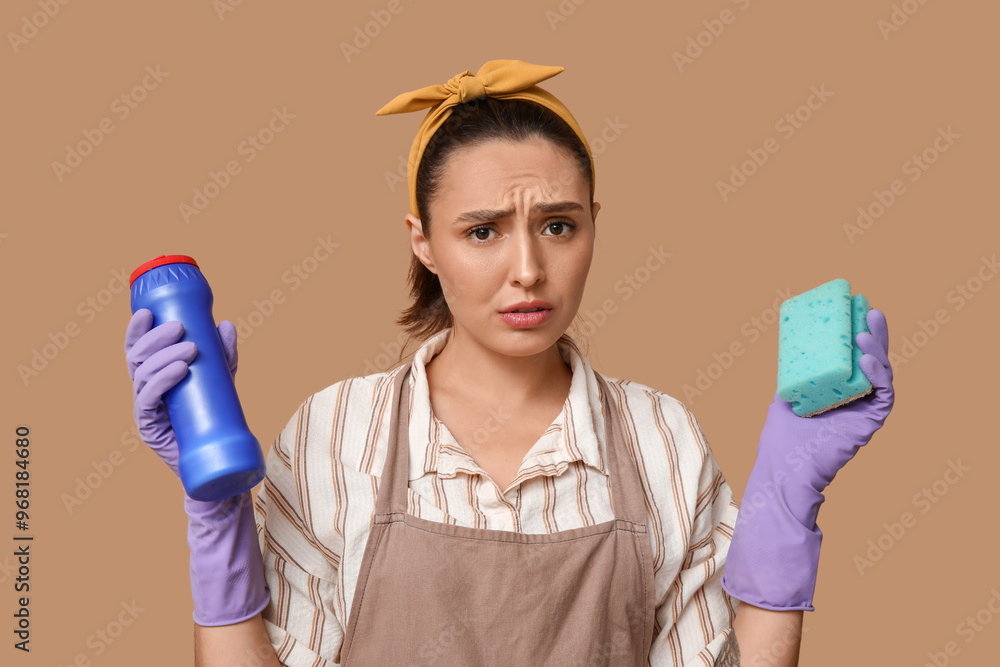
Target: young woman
(496,501)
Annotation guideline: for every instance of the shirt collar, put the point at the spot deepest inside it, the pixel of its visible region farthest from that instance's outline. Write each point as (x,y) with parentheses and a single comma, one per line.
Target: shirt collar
(577,433)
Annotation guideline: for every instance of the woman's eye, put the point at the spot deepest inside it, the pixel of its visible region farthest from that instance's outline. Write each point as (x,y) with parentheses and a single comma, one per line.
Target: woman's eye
(565,224)
(476,233)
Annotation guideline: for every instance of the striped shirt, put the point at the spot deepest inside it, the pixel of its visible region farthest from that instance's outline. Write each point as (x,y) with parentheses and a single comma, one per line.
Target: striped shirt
(316,504)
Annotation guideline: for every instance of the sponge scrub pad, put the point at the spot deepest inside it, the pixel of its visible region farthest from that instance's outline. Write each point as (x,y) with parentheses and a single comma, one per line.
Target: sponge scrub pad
(817,352)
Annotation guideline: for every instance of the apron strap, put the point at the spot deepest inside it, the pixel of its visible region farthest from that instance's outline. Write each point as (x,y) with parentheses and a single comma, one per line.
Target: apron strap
(625,482)
(393,498)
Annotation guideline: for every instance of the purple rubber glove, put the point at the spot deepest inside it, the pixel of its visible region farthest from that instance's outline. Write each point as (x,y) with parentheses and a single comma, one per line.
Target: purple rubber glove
(227,569)
(774,554)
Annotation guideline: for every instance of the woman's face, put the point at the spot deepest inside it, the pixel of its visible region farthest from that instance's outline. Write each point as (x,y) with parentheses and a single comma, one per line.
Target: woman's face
(510,223)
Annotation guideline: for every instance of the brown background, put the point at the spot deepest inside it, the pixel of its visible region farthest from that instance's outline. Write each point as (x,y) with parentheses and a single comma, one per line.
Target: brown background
(325,175)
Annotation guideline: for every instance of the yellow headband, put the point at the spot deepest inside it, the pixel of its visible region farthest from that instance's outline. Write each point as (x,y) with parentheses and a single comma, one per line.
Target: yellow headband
(497,78)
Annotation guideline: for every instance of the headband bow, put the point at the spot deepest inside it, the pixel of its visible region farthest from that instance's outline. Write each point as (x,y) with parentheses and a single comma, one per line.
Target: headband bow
(497,78)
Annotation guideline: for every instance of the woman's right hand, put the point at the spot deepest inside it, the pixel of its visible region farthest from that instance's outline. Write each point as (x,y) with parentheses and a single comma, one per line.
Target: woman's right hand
(227,570)
(156,363)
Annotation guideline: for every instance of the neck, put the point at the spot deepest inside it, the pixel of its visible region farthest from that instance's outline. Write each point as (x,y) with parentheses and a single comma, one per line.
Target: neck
(499,379)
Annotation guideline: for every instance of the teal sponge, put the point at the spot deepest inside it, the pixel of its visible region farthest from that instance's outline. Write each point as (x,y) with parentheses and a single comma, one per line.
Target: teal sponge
(817,352)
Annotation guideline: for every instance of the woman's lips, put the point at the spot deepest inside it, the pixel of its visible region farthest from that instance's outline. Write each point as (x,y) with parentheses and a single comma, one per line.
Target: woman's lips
(527,320)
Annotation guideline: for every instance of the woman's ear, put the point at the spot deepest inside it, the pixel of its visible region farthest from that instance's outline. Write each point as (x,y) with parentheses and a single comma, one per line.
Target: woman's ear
(593,211)
(421,246)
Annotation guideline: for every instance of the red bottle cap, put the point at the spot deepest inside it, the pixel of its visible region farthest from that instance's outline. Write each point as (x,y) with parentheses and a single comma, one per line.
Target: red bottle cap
(160,261)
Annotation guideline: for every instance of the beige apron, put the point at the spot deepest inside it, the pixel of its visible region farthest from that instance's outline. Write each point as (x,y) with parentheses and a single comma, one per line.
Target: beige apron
(431,593)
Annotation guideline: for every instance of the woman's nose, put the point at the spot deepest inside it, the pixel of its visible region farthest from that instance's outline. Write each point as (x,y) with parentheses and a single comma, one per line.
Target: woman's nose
(526,258)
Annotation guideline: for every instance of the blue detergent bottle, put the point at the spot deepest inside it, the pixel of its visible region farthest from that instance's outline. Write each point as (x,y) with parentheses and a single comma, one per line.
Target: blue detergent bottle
(218,455)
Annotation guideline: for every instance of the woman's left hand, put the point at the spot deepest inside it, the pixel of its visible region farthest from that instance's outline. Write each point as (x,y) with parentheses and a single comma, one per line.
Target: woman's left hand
(775,551)
(810,450)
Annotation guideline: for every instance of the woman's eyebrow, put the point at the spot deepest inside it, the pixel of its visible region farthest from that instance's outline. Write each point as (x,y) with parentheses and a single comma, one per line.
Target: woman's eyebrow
(487,214)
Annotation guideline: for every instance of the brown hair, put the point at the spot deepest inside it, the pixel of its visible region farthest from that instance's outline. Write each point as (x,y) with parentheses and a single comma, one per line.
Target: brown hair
(471,124)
